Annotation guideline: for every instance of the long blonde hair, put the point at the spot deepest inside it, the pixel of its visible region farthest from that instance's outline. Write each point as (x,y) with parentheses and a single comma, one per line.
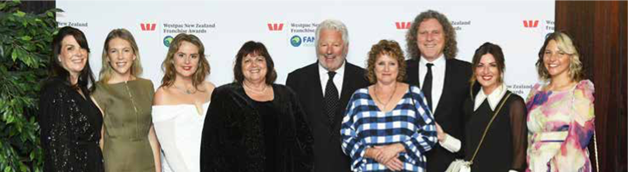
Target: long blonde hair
(106,71)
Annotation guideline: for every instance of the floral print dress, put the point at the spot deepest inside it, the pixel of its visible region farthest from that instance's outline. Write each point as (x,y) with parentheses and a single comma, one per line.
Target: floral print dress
(560,125)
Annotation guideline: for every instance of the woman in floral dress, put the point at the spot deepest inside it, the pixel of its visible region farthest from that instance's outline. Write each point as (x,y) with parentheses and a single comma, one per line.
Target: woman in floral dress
(560,111)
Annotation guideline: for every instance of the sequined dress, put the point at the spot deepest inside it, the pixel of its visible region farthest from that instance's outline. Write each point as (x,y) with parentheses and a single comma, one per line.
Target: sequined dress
(70,129)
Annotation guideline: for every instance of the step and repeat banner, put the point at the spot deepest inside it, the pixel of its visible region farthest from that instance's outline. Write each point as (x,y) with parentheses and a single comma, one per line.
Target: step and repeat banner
(287,28)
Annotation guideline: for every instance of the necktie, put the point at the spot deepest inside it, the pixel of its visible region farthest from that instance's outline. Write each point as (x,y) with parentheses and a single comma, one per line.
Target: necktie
(427,86)
(331,97)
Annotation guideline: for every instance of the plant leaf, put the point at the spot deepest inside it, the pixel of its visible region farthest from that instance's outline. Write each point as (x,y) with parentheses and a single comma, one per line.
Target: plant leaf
(26,38)
(20,13)
(14,55)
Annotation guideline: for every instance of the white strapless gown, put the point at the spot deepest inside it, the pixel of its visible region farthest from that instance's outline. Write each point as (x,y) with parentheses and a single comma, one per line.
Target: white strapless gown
(179,129)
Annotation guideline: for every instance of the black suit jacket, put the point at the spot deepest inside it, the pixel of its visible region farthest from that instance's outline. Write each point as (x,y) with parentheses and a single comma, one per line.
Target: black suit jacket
(328,155)
(449,111)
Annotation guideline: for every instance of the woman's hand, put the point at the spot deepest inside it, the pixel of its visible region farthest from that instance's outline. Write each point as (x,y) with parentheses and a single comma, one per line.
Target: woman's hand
(394,164)
(440,133)
(372,153)
(389,154)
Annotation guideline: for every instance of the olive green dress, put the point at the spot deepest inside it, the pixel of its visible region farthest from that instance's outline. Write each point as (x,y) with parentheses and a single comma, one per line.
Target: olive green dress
(127,120)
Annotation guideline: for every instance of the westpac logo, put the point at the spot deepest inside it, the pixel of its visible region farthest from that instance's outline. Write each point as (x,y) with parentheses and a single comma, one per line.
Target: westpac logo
(275,26)
(530,23)
(148,26)
(403,25)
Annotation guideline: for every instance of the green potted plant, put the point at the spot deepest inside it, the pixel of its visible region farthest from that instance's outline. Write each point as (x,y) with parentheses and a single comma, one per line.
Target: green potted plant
(25,47)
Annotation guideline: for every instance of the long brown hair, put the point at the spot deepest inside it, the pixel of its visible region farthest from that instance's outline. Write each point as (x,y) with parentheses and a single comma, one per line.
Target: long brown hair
(498,55)
(170,72)
(86,77)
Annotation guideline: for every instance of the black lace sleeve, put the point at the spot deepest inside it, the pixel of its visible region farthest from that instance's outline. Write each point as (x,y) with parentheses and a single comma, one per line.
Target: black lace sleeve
(56,133)
(467,108)
(214,158)
(519,133)
(305,139)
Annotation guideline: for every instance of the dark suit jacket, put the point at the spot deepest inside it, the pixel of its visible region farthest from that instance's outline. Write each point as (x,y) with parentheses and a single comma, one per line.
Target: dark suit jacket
(449,111)
(328,155)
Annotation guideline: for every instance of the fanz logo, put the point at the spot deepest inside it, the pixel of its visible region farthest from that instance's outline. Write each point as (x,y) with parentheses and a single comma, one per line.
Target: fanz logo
(275,26)
(297,40)
(167,40)
(148,26)
(530,23)
(403,25)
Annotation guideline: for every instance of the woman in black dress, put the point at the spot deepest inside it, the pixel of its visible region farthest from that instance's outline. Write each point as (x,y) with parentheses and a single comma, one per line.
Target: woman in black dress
(254,124)
(70,121)
(495,123)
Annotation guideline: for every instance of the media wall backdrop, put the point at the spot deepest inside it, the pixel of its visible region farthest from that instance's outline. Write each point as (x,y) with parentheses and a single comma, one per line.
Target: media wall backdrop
(287,28)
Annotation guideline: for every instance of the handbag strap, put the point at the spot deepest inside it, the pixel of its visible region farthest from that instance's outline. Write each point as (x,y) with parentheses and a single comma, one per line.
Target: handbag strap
(488,126)
(597,162)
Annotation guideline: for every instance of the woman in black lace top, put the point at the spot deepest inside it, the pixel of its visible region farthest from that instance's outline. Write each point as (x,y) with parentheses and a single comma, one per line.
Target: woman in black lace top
(70,121)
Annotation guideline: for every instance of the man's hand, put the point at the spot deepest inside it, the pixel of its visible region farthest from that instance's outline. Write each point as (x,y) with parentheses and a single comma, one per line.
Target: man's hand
(440,133)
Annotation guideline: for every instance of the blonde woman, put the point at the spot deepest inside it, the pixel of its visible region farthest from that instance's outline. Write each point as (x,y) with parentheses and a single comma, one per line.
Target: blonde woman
(125,99)
(561,118)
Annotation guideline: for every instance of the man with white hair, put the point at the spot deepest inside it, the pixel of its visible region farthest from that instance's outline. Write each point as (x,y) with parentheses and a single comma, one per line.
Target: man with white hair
(324,89)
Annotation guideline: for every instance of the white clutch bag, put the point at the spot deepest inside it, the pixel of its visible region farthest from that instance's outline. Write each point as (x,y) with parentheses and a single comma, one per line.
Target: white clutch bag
(459,165)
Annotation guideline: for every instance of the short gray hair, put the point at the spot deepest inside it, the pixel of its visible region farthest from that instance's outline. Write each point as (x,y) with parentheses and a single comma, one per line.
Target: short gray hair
(336,25)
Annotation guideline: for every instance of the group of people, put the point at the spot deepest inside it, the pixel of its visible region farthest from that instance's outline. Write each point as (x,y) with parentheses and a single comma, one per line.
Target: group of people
(422,114)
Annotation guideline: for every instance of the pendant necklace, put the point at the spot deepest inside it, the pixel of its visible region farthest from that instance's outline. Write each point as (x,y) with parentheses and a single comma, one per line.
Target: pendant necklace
(186,91)
(389,98)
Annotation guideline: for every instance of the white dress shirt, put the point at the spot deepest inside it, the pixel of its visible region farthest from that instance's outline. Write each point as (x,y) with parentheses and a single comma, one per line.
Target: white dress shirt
(338,78)
(450,143)
(438,77)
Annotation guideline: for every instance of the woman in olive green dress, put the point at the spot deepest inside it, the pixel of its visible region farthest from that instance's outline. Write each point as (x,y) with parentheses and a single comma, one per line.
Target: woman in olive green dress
(129,142)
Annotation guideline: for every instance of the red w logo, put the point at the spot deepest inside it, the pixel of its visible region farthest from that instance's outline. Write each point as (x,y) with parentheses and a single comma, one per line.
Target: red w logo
(148,26)
(530,23)
(275,26)
(403,25)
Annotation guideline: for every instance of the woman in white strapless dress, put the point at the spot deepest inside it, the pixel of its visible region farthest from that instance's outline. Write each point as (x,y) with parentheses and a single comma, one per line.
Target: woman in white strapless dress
(180,104)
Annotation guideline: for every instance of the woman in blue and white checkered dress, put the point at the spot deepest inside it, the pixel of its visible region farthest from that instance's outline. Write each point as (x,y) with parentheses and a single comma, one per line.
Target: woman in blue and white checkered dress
(387,126)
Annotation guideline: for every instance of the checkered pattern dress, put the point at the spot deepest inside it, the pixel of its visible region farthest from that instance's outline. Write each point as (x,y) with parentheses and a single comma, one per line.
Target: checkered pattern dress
(409,123)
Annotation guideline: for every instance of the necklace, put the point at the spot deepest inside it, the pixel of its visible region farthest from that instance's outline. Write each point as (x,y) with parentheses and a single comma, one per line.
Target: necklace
(389,98)
(186,91)
(250,88)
